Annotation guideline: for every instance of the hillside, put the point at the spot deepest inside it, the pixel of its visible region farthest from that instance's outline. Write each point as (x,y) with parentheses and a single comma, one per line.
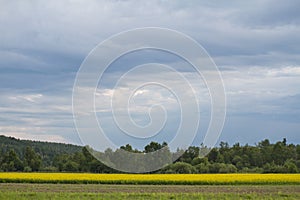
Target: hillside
(47,150)
(265,157)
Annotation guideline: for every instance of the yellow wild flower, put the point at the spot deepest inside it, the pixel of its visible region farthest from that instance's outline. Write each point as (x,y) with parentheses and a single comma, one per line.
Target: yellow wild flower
(211,179)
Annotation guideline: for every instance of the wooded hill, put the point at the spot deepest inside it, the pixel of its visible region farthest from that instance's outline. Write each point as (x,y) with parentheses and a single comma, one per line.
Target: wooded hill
(265,157)
(47,151)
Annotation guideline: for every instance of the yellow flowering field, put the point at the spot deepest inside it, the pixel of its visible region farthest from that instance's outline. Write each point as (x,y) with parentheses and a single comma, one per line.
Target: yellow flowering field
(191,179)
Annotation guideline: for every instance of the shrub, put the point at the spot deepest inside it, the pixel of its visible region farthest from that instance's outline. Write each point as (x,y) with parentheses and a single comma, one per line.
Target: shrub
(179,168)
(227,168)
(202,168)
(290,167)
(27,169)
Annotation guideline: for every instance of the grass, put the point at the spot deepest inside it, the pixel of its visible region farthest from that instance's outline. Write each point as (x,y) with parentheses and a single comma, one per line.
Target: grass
(96,191)
(144,196)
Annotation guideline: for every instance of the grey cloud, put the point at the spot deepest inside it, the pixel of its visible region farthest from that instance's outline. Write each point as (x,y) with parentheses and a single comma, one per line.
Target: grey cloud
(269,13)
(42,45)
(67,31)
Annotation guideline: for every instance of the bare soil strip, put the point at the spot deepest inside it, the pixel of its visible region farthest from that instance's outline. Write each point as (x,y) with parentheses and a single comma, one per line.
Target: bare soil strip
(102,188)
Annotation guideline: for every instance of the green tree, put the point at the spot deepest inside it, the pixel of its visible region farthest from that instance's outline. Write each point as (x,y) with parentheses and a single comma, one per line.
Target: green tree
(190,154)
(11,162)
(153,146)
(266,151)
(290,166)
(70,166)
(32,159)
(60,160)
(213,155)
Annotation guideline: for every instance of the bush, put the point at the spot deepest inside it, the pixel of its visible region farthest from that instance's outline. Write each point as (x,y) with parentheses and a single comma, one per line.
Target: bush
(227,168)
(202,168)
(50,169)
(214,168)
(70,166)
(252,170)
(298,164)
(272,168)
(27,169)
(179,168)
(196,161)
(290,167)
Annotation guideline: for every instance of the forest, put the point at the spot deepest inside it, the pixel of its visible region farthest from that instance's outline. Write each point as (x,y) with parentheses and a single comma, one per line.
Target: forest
(33,156)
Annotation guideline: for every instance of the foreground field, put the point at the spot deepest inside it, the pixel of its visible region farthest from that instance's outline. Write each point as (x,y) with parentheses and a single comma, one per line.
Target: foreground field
(153,179)
(148,186)
(99,191)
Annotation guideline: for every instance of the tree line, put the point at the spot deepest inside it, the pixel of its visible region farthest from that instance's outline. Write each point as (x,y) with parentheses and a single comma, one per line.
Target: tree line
(265,157)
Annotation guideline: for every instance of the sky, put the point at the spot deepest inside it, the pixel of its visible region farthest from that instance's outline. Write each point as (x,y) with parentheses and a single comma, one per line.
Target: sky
(255,45)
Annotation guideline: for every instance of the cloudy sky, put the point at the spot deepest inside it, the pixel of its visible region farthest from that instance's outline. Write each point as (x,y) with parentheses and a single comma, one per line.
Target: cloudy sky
(255,44)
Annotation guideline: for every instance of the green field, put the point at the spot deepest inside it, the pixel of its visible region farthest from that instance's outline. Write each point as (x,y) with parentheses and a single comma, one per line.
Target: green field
(100,191)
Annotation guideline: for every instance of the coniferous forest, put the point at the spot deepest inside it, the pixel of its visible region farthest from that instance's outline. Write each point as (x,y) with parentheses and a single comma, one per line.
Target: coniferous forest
(265,157)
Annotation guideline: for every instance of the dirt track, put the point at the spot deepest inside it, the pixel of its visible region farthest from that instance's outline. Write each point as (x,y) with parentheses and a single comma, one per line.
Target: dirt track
(98,188)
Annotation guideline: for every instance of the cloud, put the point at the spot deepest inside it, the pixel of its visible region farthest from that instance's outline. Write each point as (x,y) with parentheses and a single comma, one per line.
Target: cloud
(28,134)
(75,28)
(269,13)
(40,116)
(31,98)
(259,90)
(255,44)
